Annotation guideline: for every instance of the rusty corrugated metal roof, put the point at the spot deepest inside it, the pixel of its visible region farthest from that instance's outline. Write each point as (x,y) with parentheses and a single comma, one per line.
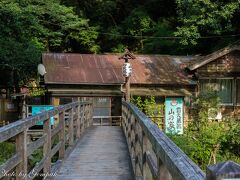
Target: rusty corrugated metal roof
(66,68)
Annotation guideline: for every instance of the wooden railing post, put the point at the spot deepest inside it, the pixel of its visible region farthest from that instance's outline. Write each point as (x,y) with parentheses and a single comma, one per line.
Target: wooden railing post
(163,173)
(125,124)
(47,146)
(128,135)
(226,170)
(138,151)
(71,129)
(91,114)
(21,149)
(135,149)
(132,139)
(62,135)
(87,116)
(88,119)
(79,121)
(83,118)
(145,170)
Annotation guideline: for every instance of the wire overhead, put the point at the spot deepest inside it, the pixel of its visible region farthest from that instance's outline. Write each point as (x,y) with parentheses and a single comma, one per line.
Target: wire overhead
(151,37)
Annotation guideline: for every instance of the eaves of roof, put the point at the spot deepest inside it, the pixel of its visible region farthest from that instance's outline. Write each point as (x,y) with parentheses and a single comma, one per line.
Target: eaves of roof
(199,62)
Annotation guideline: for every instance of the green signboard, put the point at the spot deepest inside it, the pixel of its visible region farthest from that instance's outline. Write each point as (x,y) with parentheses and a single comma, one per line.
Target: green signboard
(174,115)
(39,109)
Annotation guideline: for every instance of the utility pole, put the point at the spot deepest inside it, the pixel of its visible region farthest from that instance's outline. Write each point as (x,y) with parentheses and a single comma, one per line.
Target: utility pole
(127,70)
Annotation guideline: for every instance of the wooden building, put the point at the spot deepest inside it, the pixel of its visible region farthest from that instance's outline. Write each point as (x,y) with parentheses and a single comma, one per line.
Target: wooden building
(220,71)
(99,77)
(9,105)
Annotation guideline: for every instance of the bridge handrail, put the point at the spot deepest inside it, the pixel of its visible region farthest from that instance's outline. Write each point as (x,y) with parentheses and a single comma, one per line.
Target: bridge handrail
(152,152)
(117,121)
(80,118)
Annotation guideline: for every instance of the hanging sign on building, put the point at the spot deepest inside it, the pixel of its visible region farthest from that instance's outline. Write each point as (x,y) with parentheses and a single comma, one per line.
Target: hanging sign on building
(39,109)
(174,115)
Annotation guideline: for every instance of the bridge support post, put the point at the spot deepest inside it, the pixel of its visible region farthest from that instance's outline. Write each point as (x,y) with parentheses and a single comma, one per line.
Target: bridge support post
(47,146)
(62,136)
(21,148)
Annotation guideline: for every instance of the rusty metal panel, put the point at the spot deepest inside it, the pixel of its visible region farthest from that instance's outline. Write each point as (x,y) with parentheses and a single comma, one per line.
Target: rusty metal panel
(66,68)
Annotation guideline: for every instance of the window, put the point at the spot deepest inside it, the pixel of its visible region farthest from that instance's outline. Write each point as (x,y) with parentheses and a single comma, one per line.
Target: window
(101,106)
(223,87)
(65,100)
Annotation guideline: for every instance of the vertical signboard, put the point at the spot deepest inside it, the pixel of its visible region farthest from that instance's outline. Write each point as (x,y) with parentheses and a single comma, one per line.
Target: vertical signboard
(39,109)
(174,115)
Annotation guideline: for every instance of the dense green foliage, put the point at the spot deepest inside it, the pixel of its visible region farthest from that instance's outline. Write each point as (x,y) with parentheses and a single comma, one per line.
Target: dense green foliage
(151,108)
(149,26)
(7,150)
(205,17)
(29,27)
(17,51)
(206,141)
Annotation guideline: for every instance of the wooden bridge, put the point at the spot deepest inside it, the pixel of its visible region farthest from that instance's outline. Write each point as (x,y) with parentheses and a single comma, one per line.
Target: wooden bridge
(76,149)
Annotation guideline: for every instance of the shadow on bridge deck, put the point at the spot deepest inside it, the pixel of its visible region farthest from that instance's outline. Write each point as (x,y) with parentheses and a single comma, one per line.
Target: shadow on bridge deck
(101,154)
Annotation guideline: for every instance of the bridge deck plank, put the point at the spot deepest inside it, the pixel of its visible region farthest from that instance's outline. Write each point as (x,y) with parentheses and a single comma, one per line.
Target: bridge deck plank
(101,153)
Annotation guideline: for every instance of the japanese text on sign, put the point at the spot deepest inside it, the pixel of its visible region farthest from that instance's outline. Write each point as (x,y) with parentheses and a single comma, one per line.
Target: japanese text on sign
(174,115)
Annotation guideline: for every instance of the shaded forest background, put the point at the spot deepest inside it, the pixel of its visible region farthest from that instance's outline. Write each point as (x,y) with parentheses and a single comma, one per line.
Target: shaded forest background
(179,27)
